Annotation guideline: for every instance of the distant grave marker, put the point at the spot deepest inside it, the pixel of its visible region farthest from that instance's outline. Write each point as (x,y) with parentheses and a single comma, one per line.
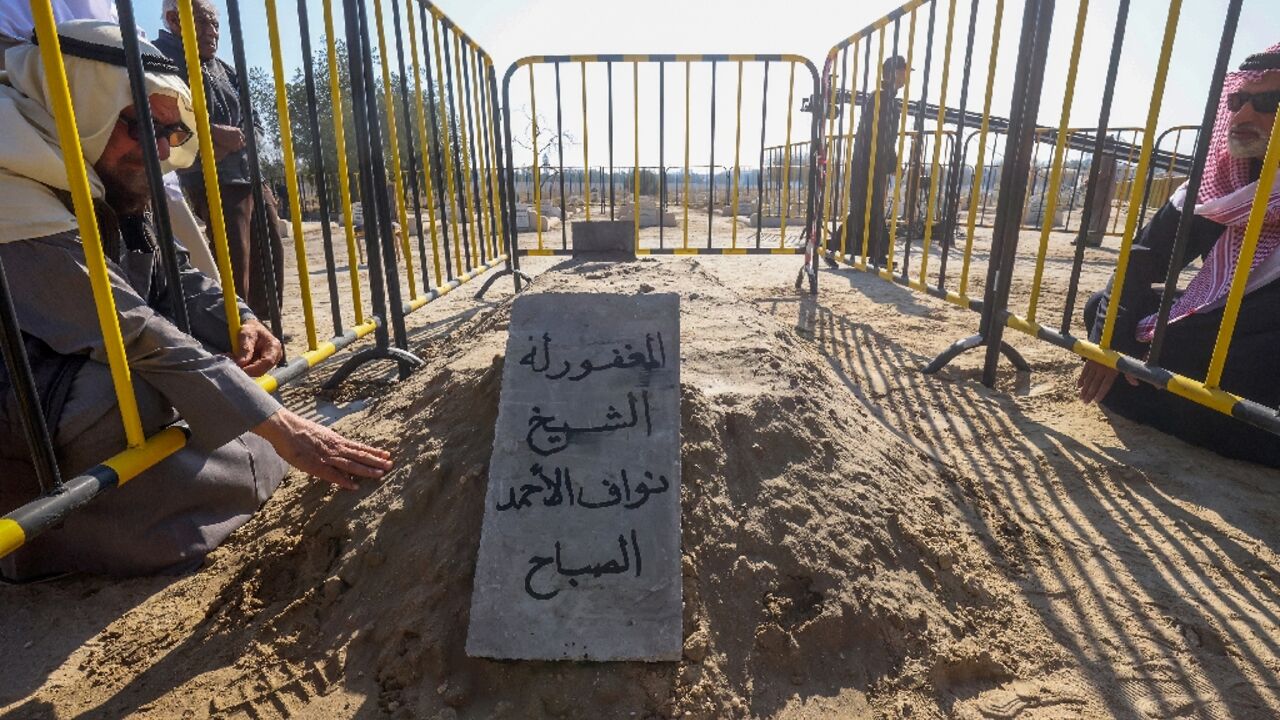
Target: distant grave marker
(580,547)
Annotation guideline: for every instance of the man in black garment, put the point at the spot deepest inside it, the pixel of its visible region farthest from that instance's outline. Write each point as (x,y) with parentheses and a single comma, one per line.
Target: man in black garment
(1244,126)
(893,76)
(230,123)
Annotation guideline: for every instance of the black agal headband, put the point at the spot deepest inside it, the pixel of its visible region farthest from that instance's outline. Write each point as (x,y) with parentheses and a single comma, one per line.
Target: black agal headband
(1261,62)
(111,55)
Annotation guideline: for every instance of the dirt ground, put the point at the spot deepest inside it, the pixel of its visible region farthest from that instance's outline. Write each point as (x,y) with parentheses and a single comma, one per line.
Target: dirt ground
(859,539)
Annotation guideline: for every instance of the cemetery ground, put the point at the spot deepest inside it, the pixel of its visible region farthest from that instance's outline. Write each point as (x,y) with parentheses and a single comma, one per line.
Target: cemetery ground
(858,539)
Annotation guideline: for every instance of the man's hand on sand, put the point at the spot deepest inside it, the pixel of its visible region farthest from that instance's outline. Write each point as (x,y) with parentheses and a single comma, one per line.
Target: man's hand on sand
(317,450)
(259,349)
(1096,380)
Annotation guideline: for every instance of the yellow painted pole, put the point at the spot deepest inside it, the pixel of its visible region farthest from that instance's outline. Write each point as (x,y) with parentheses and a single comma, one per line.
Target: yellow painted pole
(976,189)
(1135,198)
(209,169)
(388,97)
(344,183)
(444,148)
(490,116)
(635,101)
(737,148)
(82,201)
(477,162)
(422,142)
(686,153)
(586,165)
(878,73)
(290,176)
(1257,215)
(464,146)
(786,162)
(934,170)
(1123,185)
(902,143)
(537,188)
(1055,168)
(846,195)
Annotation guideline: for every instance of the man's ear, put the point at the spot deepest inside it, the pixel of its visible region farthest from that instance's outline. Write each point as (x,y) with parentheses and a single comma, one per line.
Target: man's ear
(173,21)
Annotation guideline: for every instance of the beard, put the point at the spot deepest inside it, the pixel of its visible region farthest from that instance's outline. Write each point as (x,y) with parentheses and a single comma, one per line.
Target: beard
(127,191)
(1248,149)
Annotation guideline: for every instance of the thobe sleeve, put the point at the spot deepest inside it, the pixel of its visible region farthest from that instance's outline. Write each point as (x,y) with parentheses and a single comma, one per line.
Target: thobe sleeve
(50,286)
(203,297)
(1149,258)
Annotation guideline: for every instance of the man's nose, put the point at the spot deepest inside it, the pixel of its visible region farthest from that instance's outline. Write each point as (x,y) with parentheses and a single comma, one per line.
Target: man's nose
(162,148)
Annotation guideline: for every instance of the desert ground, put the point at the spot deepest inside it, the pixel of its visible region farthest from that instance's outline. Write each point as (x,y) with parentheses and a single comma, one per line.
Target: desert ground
(859,539)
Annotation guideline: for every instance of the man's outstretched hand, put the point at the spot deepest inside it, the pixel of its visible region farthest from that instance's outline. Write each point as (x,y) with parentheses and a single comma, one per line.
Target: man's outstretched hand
(259,349)
(317,450)
(1096,380)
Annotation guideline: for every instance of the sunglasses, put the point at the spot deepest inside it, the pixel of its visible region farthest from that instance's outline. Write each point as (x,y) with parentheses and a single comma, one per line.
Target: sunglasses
(1263,102)
(176,134)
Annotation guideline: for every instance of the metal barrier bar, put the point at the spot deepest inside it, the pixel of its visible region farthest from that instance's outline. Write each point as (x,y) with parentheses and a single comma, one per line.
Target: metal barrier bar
(902,143)
(828,174)
(786,161)
(564,236)
(937,142)
(847,201)
(1091,194)
(454,178)
(687,71)
(290,178)
(737,158)
(1055,168)
(537,183)
(913,177)
(471,228)
(490,190)
(609,73)
(422,140)
(662,151)
(82,202)
(441,159)
(322,194)
(585,142)
(711,197)
(151,159)
(764,123)
(35,427)
(635,101)
(956,168)
(875,140)
(413,162)
(1131,223)
(473,153)
(217,224)
(1244,264)
(340,149)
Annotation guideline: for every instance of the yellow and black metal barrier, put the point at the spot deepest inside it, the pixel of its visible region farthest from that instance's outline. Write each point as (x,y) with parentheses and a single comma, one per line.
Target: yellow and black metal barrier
(448,159)
(682,192)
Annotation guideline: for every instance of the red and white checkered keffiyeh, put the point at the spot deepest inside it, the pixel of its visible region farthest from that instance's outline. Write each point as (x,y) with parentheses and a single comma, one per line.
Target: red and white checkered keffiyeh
(1226,197)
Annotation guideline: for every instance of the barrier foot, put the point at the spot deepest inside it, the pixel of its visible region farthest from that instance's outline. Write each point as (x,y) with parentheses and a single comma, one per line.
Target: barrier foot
(402,357)
(806,271)
(501,273)
(973,341)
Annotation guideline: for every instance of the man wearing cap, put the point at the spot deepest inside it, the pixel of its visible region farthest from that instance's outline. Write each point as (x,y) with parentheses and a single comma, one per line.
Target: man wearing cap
(1245,123)
(170,516)
(893,76)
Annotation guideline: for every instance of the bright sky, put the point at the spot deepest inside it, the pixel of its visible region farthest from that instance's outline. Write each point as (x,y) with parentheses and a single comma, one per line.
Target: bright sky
(510,29)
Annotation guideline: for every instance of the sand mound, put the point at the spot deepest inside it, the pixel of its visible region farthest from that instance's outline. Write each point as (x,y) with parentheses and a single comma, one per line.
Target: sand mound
(825,568)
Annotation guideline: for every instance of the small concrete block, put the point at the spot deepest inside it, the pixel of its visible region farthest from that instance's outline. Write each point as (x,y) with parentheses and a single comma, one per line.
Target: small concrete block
(603,236)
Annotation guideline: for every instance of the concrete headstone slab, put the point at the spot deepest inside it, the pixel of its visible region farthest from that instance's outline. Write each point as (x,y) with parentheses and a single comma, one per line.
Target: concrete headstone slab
(580,545)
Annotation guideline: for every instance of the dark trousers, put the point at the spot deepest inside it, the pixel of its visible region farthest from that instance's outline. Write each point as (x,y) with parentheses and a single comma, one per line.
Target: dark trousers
(852,230)
(1188,345)
(245,247)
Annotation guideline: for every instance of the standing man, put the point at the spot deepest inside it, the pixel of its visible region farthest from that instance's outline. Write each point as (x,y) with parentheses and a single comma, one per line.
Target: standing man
(893,76)
(230,123)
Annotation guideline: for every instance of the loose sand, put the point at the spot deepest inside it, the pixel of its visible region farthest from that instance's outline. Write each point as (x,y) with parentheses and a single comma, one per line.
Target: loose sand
(859,539)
